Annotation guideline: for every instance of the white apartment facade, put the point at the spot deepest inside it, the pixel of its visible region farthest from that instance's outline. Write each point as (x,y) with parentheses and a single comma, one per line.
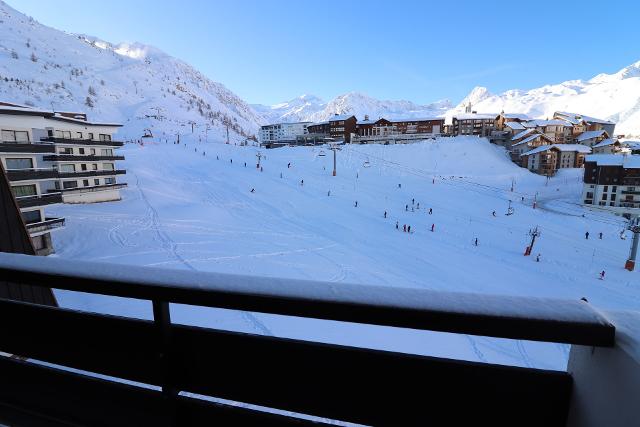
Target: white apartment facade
(282,133)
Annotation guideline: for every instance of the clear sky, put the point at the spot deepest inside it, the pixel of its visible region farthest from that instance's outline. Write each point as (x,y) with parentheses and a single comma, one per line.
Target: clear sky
(268,51)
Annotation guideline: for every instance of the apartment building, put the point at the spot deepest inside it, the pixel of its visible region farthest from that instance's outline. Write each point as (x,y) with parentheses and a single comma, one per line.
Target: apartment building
(582,123)
(473,124)
(503,120)
(559,131)
(612,180)
(396,131)
(592,137)
(548,159)
(51,157)
(526,140)
(278,134)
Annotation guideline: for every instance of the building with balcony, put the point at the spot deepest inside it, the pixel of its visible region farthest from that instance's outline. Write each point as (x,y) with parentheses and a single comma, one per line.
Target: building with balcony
(472,123)
(64,151)
(279,134)
(612,180)
(582,123)
(547,159)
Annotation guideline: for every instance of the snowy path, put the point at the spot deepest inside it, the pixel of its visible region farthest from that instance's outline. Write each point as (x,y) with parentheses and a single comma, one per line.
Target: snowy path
(186,210)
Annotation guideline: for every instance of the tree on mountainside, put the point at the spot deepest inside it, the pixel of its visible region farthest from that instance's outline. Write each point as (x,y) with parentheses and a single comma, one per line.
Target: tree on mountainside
(14,54)
(88,102)
(92,91)
(34,58)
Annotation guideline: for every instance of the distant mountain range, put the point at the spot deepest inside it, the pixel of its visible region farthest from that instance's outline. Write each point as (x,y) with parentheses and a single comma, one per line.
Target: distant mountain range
(614,97)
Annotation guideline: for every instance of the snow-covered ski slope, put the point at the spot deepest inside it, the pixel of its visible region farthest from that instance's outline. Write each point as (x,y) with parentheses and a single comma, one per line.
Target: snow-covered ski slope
(186,210)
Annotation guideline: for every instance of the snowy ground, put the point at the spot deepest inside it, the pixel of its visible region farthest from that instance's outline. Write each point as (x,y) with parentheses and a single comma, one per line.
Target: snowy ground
(183,210)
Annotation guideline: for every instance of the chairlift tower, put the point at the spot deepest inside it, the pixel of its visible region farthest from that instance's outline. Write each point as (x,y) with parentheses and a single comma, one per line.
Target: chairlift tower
(634,227)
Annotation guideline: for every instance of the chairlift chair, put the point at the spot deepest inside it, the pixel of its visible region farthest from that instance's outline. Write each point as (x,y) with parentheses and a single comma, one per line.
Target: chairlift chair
(322,153)
(366,164)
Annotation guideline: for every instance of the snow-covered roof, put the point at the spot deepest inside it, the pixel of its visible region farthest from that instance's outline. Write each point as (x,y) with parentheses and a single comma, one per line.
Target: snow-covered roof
(475,116)
(522,134)
(340,117)
(577,118)
(632,144)
(319,123)
(540,123)
(605,142)
(590,135)
(626,161)
(531,138)
(561,147)
(416,119)
(515,125)
(83,122)
(6,109)
(515,116)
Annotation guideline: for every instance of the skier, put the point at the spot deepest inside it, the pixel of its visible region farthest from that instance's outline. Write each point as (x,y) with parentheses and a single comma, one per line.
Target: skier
(280,174)
(399,185)
(302,182)
(406,208)
(231,160)
(356,205)
(475,242)
(253,190)
(538,258)
(586,235)
(412,210)
(328,193)
(600,235)
(245,164)
(204,153)
(408,229)
(430,211)
(413,201)
(288,165)
(404,228)
(397,226)
(261,169)
(433,227)
(522,198)
(418,206)
(217,158)
(385,214)
(602,275)
(493,213)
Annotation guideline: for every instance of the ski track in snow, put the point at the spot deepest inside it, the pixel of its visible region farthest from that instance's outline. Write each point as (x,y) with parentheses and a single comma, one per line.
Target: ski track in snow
(171,248)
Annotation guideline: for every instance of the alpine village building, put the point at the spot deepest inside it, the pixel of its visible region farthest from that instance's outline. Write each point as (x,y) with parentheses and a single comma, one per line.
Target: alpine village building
(56,157)
(612,180)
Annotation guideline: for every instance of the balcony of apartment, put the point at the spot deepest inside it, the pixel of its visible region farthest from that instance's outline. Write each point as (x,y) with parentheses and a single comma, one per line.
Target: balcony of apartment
(80,158)
(83,142)
(91,173)
(637,192)
(91,189)
(31,174)
(26,147)
(47,225)
(95,369)
(50,198)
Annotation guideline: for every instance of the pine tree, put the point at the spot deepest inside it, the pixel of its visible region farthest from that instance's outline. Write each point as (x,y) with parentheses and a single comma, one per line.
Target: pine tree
(88,102)
(34,58)
(14,54)
(92,91)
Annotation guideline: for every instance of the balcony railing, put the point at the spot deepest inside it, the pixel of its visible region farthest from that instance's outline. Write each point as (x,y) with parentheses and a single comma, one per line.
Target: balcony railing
(90,173)
(92,188)
(47,225)
(21,147)
(39,199)
(83,142)
(31,174)
(152,368)
(79,158)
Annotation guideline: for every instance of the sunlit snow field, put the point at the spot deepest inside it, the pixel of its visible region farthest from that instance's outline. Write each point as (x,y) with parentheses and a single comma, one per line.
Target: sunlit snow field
(186,210)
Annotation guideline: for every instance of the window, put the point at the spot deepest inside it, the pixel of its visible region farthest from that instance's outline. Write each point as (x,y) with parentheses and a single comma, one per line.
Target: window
(83,167)
(589,195)
(65,150)
(39,243)
(67,167)
(15,136)
(614,188)
(93,151)
(94,167)
(31,217)
(96,182)
(78,135)
(70,184)
(90,136)
(81,150)
(604,196)
(19,163)
(105,137)
(106,152)
(109,180)
(107,166)
(24,190)
(632,188)
(613,197)
(606,188)
(85,182)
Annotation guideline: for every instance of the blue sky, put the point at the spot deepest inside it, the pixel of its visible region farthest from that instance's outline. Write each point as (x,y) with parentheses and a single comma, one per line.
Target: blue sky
(271,51)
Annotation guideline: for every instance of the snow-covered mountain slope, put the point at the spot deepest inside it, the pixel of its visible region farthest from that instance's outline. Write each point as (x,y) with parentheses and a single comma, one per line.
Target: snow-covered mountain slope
(186,210)
(295,110)
(311,108)
(614,97)
(137,85)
